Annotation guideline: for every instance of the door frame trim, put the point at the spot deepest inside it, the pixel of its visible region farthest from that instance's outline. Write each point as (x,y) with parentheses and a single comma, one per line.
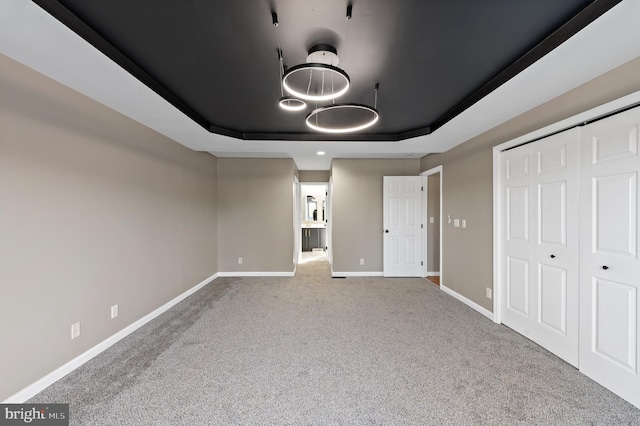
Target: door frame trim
(298,218)
(297,225)
(567,123)
(425,175)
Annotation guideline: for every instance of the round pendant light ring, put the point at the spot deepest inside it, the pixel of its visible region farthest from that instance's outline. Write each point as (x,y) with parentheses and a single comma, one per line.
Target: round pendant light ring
(314,119)
(336,73)
(292,104)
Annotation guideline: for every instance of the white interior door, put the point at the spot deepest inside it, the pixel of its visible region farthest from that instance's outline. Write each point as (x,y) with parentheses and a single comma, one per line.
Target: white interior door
(402,221)
(541,238)
(610,271)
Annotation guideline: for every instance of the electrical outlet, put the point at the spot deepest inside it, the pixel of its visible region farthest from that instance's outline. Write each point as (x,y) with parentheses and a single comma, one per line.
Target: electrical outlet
(239,261)
(488,293)
(431,219)
(114,311)
(75,330)
(362,261)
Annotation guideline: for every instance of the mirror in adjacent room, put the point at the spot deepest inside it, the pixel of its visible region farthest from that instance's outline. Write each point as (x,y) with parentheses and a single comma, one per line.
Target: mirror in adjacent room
(314,203)
(311,208)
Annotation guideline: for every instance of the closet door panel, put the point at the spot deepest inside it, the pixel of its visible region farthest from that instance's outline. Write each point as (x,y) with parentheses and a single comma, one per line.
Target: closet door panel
(552,213)
(610,268)
(540,193)
(553,298)
(614,335)
(518,288)
(518,244)
(556,255)
(614,213)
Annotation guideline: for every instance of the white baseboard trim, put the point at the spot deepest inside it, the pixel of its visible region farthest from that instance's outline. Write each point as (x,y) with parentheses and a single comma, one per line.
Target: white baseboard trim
(357,274)
(467,302)
(257,274)
(433,274)
(46,381)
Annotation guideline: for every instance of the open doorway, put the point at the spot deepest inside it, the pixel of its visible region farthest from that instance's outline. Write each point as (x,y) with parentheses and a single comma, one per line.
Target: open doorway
(313,216)
(433,219)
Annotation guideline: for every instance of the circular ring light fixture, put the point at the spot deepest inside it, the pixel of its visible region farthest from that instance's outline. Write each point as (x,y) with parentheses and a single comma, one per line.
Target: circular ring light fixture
(335,74)
(292,104)
(319,79)
(315,121)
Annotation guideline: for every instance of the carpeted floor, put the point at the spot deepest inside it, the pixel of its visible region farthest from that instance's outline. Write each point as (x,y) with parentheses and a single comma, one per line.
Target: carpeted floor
(313,350)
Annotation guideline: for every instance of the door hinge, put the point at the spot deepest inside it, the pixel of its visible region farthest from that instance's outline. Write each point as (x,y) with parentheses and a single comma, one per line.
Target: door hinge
(422,226)
(421,263)
(422,188)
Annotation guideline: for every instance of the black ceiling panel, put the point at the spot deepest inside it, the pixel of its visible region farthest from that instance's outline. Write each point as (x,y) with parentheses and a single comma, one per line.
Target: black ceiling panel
(217,60)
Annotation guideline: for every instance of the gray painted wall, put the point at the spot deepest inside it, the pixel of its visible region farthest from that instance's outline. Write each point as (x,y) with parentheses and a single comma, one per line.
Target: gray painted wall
(255,214)
(468,180)
(314,175)
(95,210)
(356,203)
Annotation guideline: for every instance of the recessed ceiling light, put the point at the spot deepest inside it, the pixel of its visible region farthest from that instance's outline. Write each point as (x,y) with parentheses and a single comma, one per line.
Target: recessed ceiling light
(321,152)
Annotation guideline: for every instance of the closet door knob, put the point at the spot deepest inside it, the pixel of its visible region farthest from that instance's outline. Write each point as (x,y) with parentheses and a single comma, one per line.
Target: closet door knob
(553,256)
(605,267)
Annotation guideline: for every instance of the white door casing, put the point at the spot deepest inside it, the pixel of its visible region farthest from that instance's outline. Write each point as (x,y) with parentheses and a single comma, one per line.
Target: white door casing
(329,222)
(297,223)
(540,265)
(402,220)
(610,276)
(425,253)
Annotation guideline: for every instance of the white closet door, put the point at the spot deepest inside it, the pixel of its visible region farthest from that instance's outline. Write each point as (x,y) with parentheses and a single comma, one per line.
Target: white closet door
(540,261)
(610,269)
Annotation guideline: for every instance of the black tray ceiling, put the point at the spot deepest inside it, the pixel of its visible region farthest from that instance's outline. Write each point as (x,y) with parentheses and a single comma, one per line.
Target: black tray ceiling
(217,62)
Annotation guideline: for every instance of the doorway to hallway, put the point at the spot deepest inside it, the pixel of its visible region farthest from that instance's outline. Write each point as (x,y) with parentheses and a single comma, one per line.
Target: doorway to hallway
(313,218)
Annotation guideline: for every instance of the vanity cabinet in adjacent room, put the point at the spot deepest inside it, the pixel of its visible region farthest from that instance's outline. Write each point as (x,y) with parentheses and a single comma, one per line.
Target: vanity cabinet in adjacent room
(313,238)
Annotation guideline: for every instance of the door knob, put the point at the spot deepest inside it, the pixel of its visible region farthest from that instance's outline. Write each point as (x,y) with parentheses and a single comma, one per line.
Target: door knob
(605,267)
(386,231)
(553,256)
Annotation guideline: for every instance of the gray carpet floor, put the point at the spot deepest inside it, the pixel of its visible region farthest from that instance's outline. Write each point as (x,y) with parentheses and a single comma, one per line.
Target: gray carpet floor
(313,350)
